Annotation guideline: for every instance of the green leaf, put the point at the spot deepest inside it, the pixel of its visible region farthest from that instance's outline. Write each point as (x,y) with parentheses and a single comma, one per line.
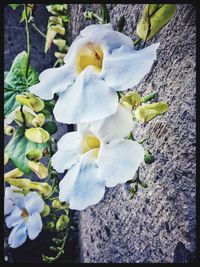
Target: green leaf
(10,102)
(121,23)
(105,13)
(14,6)
(15,81)
(153,19)
(18,147)
(16,78)
(23,17)
(149,97)
(50,127)
(148,157)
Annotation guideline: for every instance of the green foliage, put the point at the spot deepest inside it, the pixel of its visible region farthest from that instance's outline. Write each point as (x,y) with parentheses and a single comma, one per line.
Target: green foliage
(135,184)
(148,157)
(153,19)
(18,147)
(14,6)
(121,23)
(105,13)
(18,80)
(50,127)
(149,97)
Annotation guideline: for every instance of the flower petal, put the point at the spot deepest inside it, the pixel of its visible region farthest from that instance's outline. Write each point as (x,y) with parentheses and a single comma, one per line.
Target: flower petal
(8,206)
(68,151)
(80,186)
(53,80)
(116,126)
(104,36)
(34,225)
(34,203)
(119,160)
(14,218)
(88,99)
(18,199)
(17,236)
(125,67)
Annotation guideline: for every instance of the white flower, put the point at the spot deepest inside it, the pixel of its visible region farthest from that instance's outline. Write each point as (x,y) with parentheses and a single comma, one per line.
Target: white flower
(23,214)
(97,155)
(99,62)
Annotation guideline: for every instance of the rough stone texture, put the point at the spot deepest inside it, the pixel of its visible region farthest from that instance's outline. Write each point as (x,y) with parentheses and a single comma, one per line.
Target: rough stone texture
(158,225)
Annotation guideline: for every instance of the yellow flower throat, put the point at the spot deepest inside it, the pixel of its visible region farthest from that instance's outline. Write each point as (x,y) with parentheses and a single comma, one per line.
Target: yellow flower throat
(90,54)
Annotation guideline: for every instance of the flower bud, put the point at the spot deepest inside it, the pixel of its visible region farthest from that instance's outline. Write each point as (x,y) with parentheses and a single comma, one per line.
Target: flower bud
(9,130)
(61,44)
(147,112)
(26,184)
(57,204)
(6,159)
(132,98)
(39,120)
(45,211)
(49,225)
(14,173)
(27,115)
(62,222)
(34,155)
(37,135)
(56,20)
(58,28)
(38,168)
(33,102)
(59,55)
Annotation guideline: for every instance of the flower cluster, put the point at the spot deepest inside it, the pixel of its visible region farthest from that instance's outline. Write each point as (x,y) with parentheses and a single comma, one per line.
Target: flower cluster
(99,63)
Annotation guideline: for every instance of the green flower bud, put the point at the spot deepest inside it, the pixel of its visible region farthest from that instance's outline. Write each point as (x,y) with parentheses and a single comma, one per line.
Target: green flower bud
(58,28)
(49,225)
(61,44)
(45,211)
(27,115)
(56,20)
(38,168)
(6,159)
(26,184)
(14,173)
(132,98)
(37,135)
(57,204)
(34,155)
(31,101)
(59,55)
(9,130)
(39,120)
(147,112)
(62,222)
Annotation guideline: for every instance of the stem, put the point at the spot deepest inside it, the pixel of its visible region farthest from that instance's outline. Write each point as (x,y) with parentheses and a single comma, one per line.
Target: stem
(23,116)
(27,37)
(136,42)
(149,97)
(97,17)
(38,30)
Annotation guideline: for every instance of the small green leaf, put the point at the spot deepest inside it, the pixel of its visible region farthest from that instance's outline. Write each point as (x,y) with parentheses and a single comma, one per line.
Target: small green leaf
(14,6)
(148,157)
(105,13)
(50,127)
(18,147)
(153,19)
(121,23)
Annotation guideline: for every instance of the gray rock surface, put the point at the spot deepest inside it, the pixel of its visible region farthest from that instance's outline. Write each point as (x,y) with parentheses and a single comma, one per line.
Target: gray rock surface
(158,225)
